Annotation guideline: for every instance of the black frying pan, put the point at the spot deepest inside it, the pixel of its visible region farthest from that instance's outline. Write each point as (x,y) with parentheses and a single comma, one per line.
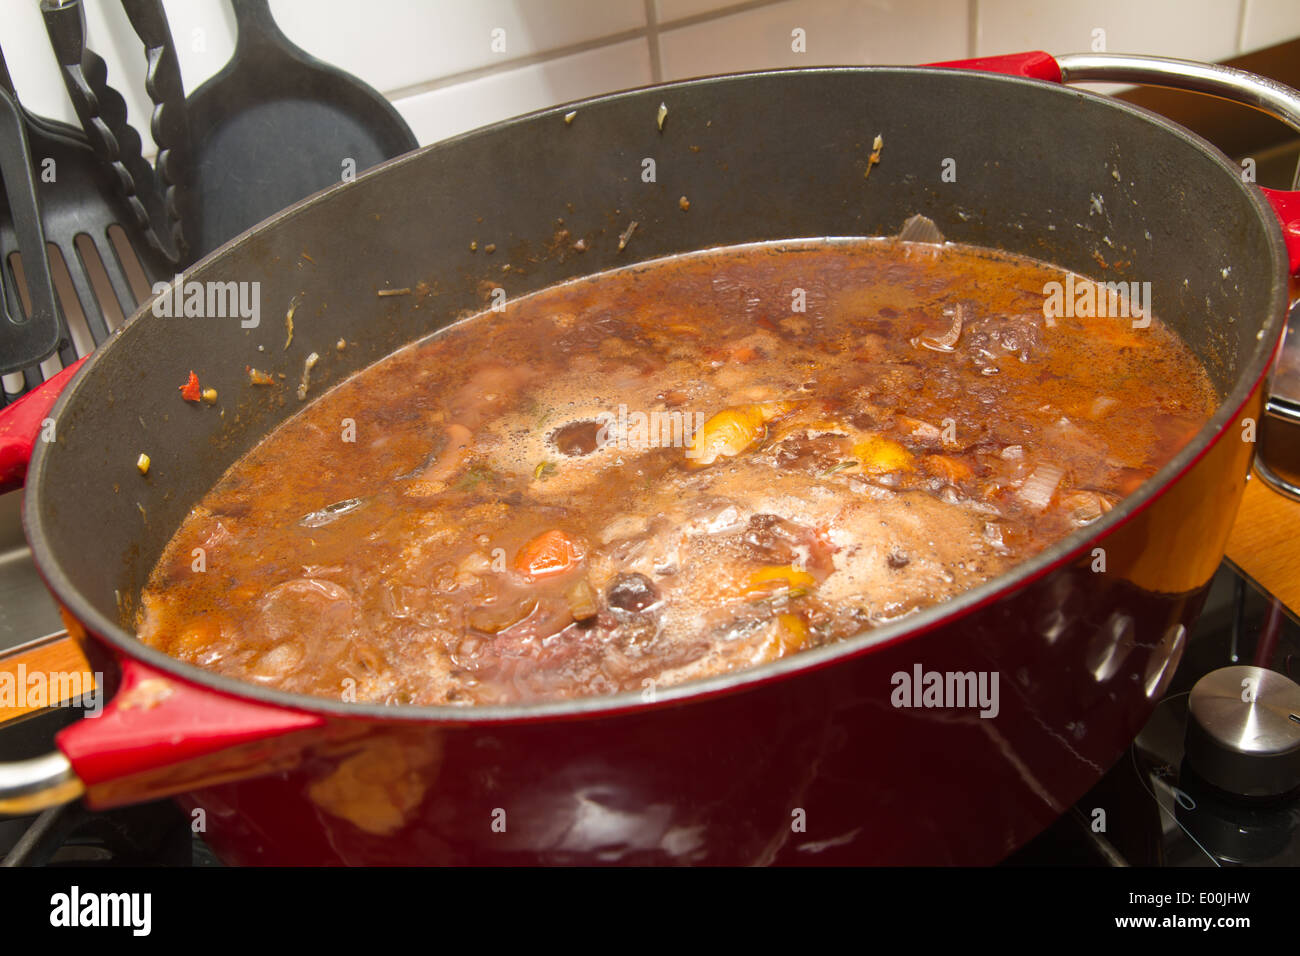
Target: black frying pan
(276,125)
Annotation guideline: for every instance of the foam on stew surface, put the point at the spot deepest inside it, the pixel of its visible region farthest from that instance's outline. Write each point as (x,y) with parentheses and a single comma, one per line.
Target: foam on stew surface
(670,471)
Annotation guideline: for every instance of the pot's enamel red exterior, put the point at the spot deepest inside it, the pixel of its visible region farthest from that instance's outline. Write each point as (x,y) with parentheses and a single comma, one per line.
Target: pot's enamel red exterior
(812,760)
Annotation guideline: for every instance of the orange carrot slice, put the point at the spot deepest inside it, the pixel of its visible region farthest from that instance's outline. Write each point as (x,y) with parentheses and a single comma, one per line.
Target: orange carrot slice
(550,553)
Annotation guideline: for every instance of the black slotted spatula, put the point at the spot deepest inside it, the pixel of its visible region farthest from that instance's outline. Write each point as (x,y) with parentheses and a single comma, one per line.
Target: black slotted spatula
(80,206)
(26,337)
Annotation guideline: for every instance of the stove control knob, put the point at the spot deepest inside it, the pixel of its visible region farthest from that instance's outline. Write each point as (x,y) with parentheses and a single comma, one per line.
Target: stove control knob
(1243,731)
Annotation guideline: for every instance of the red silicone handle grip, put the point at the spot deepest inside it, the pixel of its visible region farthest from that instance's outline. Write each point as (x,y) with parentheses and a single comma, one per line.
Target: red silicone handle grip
(1286,205)
(1035,64)
(160,736)
(20,426)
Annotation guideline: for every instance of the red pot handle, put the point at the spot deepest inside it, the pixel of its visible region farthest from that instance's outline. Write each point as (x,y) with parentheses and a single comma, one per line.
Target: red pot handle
(1225,82)
(1035,64)
(1286,204)
(160,736)
(21,426)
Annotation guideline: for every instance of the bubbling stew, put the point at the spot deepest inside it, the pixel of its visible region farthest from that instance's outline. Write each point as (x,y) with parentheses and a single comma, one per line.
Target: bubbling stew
(670,471)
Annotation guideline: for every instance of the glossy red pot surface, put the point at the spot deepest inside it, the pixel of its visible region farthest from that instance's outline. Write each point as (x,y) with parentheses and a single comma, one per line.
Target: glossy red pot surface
(812,759)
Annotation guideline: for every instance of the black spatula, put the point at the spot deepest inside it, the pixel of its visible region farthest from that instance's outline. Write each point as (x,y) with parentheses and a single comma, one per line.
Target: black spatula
(276,125)
(26,336)
(98,279)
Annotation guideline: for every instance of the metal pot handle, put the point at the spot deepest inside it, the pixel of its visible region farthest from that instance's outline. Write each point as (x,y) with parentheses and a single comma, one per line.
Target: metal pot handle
(1224,82)
(28,786)
(1238,86)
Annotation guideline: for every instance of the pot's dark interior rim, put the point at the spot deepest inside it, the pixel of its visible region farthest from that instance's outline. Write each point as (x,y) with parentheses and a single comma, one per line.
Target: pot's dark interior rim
(1253,370)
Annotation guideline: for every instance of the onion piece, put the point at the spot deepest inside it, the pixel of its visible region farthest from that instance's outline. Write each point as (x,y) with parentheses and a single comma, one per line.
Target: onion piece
(496,617)
(1085,507)
(1039,488)
(948,341)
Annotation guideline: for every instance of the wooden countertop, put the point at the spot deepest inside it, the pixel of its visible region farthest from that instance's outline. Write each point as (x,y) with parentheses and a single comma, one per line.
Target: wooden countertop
(1265,541)
(52,656)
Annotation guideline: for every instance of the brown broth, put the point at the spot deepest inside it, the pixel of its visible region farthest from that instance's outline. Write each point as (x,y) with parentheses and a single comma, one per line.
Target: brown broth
(529,509)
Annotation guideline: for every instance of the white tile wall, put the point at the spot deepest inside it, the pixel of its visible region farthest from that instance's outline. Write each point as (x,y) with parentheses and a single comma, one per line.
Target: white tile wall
(434,57)
(463,106)
(204,33)
(1190,29)
(1267,21)
(396,44)
(669,10)
(834,31)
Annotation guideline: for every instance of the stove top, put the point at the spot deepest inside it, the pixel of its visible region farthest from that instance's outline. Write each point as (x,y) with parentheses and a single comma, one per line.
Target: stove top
(1158,810)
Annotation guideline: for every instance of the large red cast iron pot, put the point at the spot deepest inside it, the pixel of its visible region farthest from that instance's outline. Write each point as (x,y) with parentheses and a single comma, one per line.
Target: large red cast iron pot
(803,760)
